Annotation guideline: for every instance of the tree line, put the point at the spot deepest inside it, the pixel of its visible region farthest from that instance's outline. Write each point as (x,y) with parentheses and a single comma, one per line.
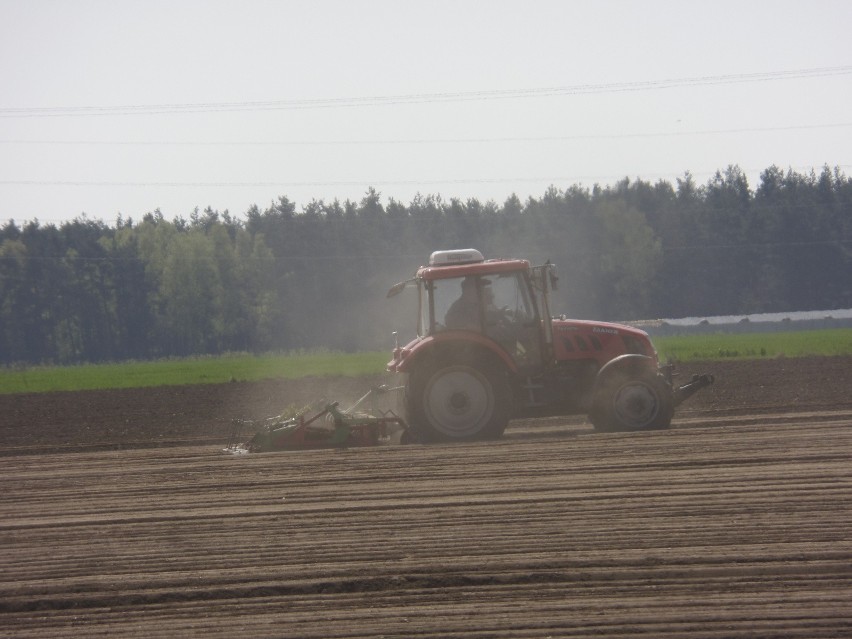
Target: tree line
(280,280)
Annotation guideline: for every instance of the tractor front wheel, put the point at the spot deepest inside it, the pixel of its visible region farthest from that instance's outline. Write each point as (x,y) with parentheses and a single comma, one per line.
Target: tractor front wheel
(455,400)
(633,403)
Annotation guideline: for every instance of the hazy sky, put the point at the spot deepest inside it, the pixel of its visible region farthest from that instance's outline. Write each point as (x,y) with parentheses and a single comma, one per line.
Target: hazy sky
(121,107)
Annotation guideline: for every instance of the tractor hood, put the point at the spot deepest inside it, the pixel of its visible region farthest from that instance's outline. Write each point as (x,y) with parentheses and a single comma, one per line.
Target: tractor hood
(572,338)
(563,323)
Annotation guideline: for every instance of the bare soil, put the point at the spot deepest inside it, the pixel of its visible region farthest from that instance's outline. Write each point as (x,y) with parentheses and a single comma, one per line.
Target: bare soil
(120,516)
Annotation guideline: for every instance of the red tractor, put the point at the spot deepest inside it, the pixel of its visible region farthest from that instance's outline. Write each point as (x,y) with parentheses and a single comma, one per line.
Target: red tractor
(488,350)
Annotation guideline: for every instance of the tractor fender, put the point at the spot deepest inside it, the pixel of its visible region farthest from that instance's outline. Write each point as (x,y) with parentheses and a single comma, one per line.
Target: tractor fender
(631,363)
(455,341)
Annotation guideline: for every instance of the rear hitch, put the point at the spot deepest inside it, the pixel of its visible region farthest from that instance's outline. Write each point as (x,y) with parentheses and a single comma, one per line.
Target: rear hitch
(680,393)
(688,390)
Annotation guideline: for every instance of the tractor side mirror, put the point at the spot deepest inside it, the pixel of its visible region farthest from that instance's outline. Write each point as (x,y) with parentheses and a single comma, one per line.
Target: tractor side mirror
(397,288)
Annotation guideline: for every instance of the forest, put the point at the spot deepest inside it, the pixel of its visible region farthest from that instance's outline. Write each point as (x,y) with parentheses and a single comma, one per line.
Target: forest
(282,280)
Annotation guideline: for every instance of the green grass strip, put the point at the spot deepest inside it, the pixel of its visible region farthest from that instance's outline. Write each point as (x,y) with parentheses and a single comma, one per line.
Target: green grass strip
(213,370)
(202,370)
(834,341)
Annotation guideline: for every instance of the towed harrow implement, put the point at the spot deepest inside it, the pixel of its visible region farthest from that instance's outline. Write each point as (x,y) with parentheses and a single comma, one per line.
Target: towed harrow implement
(326,427)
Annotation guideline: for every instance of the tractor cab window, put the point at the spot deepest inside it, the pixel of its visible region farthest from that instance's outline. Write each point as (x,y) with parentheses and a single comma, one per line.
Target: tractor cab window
(510,300)
(498,305)
(445,294)
(476,303)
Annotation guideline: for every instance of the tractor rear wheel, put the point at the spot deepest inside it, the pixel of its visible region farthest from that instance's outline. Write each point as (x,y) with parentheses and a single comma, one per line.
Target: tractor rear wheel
(634,402)
(457,400)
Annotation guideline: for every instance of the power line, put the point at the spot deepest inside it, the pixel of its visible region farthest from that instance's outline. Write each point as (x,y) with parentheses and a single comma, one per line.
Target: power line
(357,183)
(424,98)
(423,141)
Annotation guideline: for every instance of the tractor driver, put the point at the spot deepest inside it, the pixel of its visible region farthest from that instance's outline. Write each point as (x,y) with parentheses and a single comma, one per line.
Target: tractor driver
(464,312)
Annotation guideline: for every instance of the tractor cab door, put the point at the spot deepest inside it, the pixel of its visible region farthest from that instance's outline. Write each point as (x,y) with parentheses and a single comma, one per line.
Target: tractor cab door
(512,320)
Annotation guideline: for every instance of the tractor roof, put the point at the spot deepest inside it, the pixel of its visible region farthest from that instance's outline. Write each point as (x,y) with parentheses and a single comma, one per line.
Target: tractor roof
(466,262)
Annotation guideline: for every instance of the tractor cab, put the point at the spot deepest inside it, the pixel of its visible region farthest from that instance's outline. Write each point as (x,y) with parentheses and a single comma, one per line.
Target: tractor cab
(494,303)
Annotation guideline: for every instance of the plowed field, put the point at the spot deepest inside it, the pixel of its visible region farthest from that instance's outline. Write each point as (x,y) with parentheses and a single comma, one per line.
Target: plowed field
(121,517)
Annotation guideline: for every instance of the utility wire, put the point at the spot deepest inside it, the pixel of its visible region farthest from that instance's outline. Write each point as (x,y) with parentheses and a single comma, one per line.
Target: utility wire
(424,98)
(358,183)
(421,141)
